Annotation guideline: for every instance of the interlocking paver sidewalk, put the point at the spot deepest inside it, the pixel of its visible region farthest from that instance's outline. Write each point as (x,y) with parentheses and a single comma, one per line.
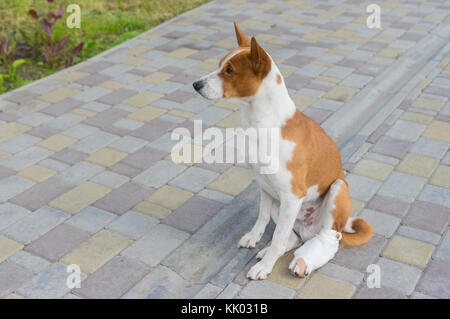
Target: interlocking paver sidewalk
(86,177)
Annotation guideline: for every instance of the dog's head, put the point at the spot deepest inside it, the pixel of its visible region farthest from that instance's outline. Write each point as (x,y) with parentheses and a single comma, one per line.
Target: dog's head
(240,72)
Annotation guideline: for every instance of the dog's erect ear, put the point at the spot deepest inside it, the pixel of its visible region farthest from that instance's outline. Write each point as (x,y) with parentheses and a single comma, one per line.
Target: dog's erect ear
(242,39)
(260,59)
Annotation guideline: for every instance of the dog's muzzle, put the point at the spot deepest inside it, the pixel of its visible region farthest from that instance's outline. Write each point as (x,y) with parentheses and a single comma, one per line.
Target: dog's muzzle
(198,85)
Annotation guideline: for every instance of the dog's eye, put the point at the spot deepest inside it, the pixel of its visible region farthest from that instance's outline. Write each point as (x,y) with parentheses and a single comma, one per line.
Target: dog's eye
(229,70)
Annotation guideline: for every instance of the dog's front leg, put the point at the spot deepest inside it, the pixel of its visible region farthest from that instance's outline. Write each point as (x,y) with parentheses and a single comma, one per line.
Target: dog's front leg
(289,208)
(250,239)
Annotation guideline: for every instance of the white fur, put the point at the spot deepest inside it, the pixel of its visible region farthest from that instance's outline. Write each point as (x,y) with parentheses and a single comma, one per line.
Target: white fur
(271,107)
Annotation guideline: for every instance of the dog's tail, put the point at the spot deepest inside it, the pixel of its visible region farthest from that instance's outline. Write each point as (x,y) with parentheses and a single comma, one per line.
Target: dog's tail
(357,231)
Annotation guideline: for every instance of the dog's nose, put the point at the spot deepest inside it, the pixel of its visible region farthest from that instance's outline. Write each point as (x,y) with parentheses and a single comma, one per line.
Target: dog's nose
(198,85)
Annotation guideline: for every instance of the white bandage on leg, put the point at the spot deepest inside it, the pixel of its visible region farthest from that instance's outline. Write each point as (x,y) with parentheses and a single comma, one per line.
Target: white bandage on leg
(317,251)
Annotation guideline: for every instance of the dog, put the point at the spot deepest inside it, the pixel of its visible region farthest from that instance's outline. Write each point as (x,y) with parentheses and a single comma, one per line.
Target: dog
(307,197)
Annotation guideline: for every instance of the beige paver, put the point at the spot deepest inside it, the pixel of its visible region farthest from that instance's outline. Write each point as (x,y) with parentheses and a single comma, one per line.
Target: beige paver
(93,253)
(143,99)
(373,169)
(12,129)
(59,94)
(79,197)
(428,104)
(181,53)
(232,121)
(57,142)
(8,247)
(410,251)
(417,165)
(282,275)
(37,173)
(323,287)
(438,130)
(341,93)
(441,176)
(152,209)
(147,113)
(233,181)
(106,157)
(417,117)
(170,197)
(157,77)
(73,76)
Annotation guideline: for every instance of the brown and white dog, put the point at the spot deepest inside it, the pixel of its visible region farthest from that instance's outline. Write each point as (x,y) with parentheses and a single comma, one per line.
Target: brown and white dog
(308,196)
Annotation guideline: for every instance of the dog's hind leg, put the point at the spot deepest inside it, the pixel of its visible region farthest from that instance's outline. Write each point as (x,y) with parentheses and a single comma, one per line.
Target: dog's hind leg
(320,249)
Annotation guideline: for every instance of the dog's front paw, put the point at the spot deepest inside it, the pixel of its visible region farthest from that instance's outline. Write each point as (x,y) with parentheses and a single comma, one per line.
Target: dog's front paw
(259,271)
(298,267)
(249,240)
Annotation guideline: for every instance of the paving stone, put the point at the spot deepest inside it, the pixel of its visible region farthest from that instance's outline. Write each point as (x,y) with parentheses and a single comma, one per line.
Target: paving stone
(283,276)
(341,273)
(10,213)
(163,283)
(80,131)
(106,157)
(57,242)
(406,130)
(377,293)
(170,197)
(113,279)
(438,130)
(230,291)
(418,165)
(18,143)
(382,224)
(157,244)
(402,186)
(392,147)
(29,261)
(192,214)
(429,147)
(419,234)
(208,292)
(360,257)
(128,144)
(49,284)
(398,276)
(91,219)
(194,179)
(323,287)
(8,247)
(12,277)
(79,197)
(133,224)
(5,172)
(79,173)
(94,142)
(436,195)
(372,169)
(159,174)
(362,188)
(35,225)
(25,158)
(436,280)
(409,251)
(96,251)
(441,176)
(110,179)
(388,205)
(216,196)
(233,181)
(418,295)
(265,289)
(36,173)
(443,251)
(41,194)
(428,216)
(144,158)
(123,198)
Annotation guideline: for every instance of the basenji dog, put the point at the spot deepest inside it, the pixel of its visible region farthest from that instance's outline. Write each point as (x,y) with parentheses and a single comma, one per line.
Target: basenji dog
(307,197)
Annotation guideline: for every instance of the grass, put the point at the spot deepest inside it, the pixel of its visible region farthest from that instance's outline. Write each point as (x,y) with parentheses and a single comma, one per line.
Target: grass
(104,24)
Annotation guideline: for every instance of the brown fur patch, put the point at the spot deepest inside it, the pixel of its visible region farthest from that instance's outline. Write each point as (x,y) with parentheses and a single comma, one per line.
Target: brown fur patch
(248,70)
(316,159)
(278,79)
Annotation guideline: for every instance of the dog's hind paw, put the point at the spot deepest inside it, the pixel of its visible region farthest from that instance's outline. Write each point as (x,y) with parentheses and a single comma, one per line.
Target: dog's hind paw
(298,267)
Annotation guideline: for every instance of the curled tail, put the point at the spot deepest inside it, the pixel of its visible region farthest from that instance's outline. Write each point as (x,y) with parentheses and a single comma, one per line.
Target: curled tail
(357,231)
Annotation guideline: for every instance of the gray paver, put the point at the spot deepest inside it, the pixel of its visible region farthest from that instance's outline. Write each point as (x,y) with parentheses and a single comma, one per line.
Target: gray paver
(194,179)
(382,224)
(157,244)
(398,276)
(91,219)
(402,186)
(133,224)
(12,277)
(159,174)
(10,213)
(30,262)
